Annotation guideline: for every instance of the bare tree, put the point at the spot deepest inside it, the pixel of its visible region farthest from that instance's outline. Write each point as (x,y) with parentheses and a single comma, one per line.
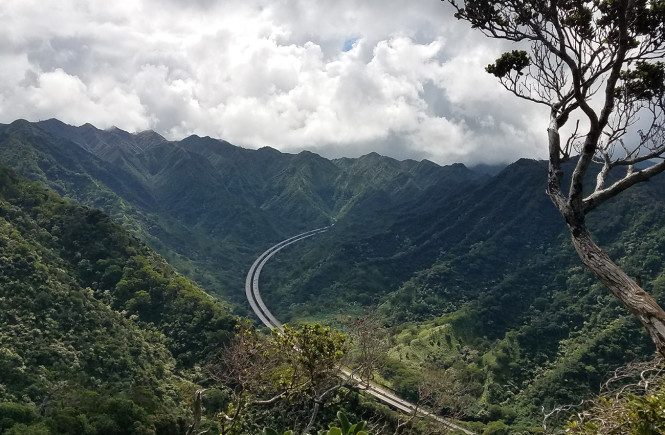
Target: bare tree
(369,345)
(443,393)
(595,62)
(240,369)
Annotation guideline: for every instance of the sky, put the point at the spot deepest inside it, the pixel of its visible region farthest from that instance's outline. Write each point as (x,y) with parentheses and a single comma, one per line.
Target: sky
(335,77)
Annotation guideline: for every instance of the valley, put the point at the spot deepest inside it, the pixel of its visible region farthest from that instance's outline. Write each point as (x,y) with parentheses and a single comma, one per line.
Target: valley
(266,317)
(470,274)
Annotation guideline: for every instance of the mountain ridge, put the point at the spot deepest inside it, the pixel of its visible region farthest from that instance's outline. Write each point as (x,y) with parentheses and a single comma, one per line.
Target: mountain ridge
(155,187)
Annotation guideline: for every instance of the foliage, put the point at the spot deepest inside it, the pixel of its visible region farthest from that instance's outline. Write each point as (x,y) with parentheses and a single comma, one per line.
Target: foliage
(590,63)
(73,359)
(123,272)
(497,307)
(314,352)
(465,279)
(497,428)
(515,60)
(632,415)
(632,402)
(293,371)
(645,82)
(271,431)
(251,197)
(346,428)
(580,53)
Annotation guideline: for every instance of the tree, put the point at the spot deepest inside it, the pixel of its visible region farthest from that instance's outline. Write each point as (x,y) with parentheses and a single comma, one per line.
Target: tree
(295,368)
(444,393)
(595,62)
(346,428)
(370,346)
(632,401)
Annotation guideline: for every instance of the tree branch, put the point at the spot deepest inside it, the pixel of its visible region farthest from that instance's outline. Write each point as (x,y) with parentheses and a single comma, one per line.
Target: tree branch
(600,196)
(317,403)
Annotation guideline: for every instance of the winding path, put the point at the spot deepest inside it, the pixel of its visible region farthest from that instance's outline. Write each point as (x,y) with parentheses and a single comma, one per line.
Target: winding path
(266,317)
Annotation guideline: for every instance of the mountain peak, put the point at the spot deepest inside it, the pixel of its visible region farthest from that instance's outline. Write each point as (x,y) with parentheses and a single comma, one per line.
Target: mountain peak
(21,125)
(372,155)
(149,133)
(268,149)
(87,126)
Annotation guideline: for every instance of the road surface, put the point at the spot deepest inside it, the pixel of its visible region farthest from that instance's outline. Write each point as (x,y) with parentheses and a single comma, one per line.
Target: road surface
(266,317)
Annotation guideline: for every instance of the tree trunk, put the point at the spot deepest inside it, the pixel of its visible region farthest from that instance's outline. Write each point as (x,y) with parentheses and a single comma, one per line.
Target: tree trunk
(621,285)
(197,412)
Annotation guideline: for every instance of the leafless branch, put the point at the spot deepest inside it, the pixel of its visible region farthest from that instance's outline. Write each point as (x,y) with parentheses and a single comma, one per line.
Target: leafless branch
(637,378)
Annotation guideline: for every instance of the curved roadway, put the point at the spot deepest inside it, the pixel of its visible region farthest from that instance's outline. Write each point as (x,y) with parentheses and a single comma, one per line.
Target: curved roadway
(266,317)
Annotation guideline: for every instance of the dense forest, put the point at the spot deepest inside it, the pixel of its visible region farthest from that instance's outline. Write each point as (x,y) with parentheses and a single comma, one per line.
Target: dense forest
(467,277)
(99,334)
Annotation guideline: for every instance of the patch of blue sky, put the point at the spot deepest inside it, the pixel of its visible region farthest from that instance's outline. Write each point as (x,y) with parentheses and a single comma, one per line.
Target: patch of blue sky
(348,44)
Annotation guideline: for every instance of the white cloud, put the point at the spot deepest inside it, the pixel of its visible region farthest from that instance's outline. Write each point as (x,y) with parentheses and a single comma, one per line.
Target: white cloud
(275,73)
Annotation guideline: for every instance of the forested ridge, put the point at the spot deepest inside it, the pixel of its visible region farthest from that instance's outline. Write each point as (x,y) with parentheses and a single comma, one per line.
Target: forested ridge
(207,206)
(98,333)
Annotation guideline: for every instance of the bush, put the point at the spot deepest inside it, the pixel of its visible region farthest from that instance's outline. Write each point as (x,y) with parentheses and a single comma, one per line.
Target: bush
(13,413)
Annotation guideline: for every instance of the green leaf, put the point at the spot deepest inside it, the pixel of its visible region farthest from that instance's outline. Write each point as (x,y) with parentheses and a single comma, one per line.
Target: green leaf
(359,428)
(515,60)
(346,426)
(644,82)
(269,431)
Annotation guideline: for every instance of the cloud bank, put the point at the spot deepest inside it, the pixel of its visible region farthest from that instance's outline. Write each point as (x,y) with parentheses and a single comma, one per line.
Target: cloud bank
(340,78)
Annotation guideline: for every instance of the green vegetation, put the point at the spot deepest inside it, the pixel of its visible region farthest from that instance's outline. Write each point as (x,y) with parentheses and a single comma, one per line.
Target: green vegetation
(563,40)
(465,285)
(518,317)
(156,189)
(345,429)
(632,403)
(293,373)
(98,333)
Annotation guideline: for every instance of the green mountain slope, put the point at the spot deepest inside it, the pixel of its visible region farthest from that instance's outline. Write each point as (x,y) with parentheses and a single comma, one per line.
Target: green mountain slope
(484,280)
(207,206)
(98,333)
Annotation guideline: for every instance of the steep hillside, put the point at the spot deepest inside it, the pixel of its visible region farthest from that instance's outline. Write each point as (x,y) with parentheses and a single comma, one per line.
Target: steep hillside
(207,206)
(483,280)
(98,333)
(506,220)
